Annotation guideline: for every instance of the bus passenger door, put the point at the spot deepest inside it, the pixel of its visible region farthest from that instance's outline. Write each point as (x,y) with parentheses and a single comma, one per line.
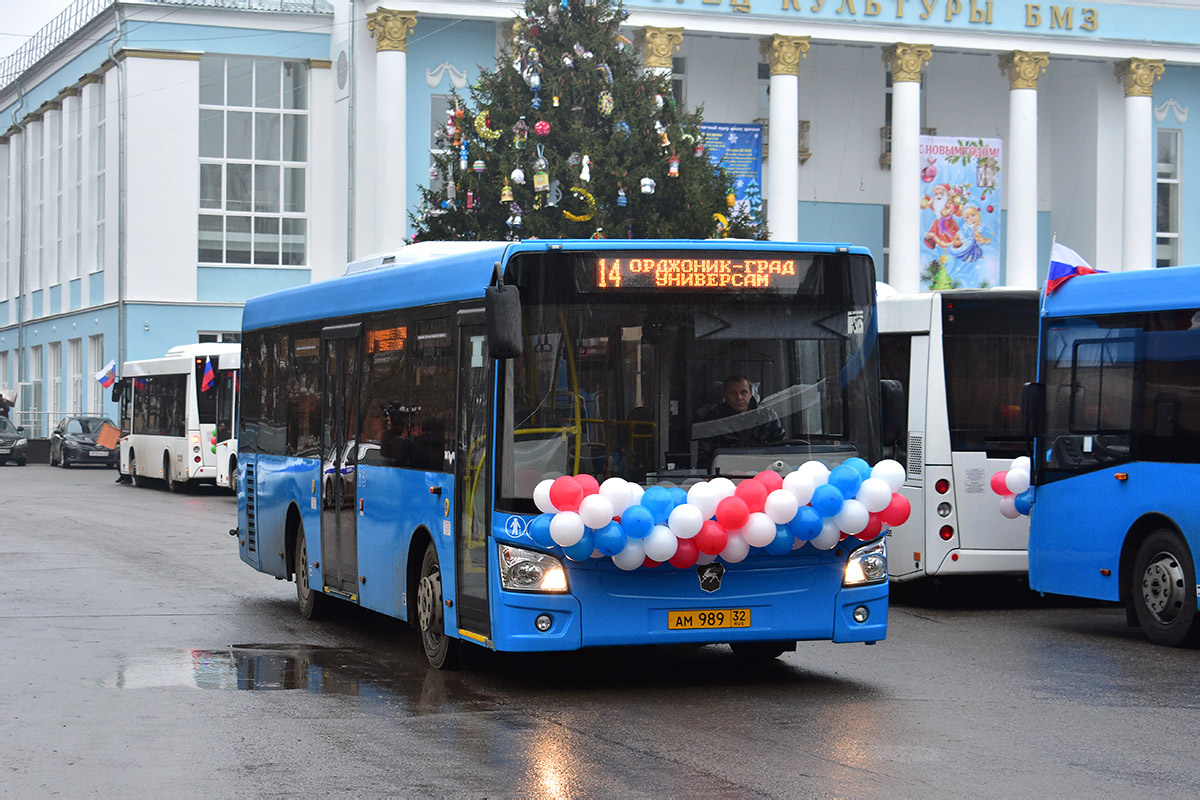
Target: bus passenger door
(339,479)
(472,473)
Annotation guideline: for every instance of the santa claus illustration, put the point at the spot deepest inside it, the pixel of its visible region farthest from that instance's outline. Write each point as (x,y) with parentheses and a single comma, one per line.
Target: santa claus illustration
(944,230)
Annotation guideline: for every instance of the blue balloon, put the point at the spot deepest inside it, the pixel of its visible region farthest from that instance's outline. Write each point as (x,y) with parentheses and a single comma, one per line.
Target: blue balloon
(807,524)
(539,530)
(860,466)
(637,521)
(827,500)
(610,539)
(678,496)
(1024,501)
(660,503)
(581,550)
(847,479)
(782,544)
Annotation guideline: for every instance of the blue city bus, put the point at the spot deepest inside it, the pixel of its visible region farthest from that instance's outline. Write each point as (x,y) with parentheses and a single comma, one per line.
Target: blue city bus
(1115,416)
(398,421)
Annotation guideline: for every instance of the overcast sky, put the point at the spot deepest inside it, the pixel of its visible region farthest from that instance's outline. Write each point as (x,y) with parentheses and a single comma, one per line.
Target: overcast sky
(20,19)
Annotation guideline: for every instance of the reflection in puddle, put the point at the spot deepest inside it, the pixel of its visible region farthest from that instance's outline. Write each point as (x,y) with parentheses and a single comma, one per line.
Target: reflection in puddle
(241,667)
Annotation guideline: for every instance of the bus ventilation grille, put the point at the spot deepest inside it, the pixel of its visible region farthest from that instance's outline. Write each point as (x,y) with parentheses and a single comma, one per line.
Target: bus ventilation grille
(916,453)
(251,509)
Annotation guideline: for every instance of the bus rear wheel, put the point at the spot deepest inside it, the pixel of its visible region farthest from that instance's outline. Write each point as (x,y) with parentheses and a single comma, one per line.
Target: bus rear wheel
(312,602)
(172,484)
(138,480)
(1162,589)
(233,475)
(440,650)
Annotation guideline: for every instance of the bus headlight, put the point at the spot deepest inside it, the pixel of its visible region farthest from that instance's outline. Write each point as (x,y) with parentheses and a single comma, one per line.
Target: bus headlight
(867,564)
(524,570)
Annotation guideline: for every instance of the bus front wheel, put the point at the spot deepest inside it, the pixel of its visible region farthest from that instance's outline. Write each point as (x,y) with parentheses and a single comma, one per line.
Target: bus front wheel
(311,601)
(138,480)
(440,650)
(1163,589)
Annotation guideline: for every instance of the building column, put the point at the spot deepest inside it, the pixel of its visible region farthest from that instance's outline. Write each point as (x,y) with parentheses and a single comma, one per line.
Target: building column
(658,49)
(905,61)
(1137,229)
(1021,164)
(390,29)
(784,54)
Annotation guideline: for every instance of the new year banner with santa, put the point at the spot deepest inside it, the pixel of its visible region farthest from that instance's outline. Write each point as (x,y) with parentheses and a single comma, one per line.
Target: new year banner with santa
(960,212)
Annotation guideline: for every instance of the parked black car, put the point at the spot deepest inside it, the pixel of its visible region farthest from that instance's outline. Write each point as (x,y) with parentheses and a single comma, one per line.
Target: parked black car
(74,442)
(12,442)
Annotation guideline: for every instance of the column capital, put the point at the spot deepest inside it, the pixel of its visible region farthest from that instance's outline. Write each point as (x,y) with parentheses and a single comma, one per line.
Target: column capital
(1023,68)
(659,46)
(1139,75)
(391,28)
(906,61)
(784,53)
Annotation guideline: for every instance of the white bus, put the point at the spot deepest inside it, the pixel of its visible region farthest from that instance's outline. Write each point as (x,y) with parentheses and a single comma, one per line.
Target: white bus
(962,357)
(223,438)
(168,419)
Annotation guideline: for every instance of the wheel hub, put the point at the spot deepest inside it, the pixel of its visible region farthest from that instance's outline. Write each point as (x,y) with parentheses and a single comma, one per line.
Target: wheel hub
(428,592)
(1162,586)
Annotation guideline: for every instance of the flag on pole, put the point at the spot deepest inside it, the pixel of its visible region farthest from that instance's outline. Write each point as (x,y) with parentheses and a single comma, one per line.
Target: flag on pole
(210,377)
(1065,264)
(107,376)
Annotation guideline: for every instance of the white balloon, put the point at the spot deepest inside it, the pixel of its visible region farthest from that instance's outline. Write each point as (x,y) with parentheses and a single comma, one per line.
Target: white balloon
(705,558)
(781,505)
(1008,507)
(875,494)
(617,492)
(1021,463)
(1017,480)
(635,494)
(722,487)
(660,543)
(736,550)
(704,498)
(759,530)
(596,511)
(541,497)
(891,471)
(829,536)
(685,521)
(800,484)
(853,518)
(817,471)
(632,557)
(566,528)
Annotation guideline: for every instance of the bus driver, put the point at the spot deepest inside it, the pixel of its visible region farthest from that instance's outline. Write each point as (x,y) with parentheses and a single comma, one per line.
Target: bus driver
(737,421)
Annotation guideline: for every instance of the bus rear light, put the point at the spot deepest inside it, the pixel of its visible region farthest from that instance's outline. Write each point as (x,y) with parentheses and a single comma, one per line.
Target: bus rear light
(942,486)
(196,459)
(947,533)
(195,439)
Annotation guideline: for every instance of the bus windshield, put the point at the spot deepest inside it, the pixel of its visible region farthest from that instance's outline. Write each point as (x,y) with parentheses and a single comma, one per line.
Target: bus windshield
(629,380)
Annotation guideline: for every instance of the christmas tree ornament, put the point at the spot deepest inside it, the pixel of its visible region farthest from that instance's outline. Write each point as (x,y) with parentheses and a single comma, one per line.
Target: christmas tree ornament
(568,62)
(577,105)
(479,166)
(599,234)
(470,201)
(573,159)
(722,224)
(541,181)
(555,195)
(434,172)
(585,174)
(648,185)
(506,194)
(483,126)
(535,81)
(450,122)
(586,197)
(462,157)
(555,101)
(673,167)
(542,128)
(658,102)
(536,102)
(520,133)
(622,200)
(605,103)
(623,128)
(698,150)
(517,175)
(606,71)
(629,230)
(663,141)
(581,52)
(730,200)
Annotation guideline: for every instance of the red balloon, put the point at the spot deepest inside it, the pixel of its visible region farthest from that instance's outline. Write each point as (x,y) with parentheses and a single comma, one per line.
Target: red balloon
(589,484)
(770,479)
(897,511)
(998,485)
(650,563)
(732,512)
(686,554)
(874,526)
(711,539)
(565,493)
(753,492)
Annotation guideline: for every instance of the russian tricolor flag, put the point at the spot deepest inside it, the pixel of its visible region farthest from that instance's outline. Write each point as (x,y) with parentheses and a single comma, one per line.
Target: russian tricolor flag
(108,375)
(1065,264)
(209,376)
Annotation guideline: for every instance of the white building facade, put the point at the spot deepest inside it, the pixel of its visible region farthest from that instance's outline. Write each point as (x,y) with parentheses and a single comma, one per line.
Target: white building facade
(160,162)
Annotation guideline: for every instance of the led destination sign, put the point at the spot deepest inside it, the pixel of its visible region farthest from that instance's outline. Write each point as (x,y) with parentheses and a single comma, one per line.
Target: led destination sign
(693,272)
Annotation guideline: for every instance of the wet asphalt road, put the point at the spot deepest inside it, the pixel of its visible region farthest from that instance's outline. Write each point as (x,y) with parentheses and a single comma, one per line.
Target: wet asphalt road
(141,658)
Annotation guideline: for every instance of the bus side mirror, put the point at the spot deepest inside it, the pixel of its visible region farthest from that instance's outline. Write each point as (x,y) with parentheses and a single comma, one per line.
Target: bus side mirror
(118,391)
(1033,411)
(504,321)
(892,395)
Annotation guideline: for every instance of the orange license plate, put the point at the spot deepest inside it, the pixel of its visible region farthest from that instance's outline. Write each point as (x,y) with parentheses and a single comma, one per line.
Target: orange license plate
(700,620)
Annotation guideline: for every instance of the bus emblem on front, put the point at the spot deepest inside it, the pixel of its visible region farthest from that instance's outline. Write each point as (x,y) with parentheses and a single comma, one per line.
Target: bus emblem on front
(710,576)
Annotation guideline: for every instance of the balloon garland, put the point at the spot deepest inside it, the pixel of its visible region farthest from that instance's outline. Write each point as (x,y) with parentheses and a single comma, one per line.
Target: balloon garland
(483,126)
(1016,496)
(586,196)
(636,526)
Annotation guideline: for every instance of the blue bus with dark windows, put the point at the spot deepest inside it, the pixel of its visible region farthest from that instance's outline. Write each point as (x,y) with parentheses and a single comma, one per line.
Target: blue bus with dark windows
(1115,416)
(499,442)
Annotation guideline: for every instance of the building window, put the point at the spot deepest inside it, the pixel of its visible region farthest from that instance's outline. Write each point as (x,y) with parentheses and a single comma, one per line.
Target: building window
(5,381)
(96,363)
(1167,185)
(77,175)
(99,112)
(75,375)
(253,161)
(205,337)
(54,387)
(440,107)
(33,406)
(679,82)
(57,168)
(38,203)
(5,224)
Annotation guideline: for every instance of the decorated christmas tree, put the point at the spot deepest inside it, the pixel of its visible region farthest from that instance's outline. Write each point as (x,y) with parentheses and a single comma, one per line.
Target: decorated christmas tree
(569,137)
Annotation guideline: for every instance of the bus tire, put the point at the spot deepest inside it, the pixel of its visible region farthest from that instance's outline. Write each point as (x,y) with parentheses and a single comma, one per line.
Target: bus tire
(138,479)
(760,651)
(233,475)
(440,650)
(313,604)
(172,484)
(1162,588)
